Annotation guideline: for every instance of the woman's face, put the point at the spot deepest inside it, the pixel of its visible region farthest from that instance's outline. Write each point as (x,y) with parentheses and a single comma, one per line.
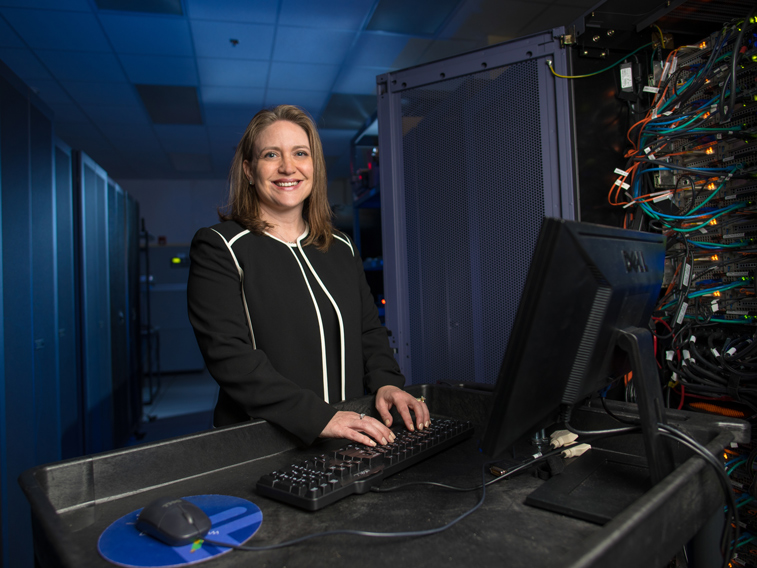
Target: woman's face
(282,168)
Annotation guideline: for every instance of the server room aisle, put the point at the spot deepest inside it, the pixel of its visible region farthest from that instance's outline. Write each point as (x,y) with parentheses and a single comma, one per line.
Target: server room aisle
(182,405)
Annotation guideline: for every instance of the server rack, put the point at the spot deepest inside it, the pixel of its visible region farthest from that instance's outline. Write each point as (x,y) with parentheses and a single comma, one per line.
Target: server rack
(475,150)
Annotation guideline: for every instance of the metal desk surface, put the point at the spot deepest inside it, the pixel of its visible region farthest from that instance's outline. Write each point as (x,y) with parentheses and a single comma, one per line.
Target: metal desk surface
(73,501)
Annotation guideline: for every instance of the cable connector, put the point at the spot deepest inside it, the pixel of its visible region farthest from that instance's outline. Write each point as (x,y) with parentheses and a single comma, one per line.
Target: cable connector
(560,438)
(575,451)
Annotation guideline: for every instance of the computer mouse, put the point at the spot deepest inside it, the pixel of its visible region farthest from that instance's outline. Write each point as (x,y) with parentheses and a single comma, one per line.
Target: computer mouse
(173,521)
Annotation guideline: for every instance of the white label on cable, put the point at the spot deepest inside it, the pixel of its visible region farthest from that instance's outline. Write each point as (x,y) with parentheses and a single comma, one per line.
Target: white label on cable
(650,89)
(686,275)
(682,313)
(669,355)
(686,355)
(665,70)
(733,236)
(621,172)
(715,352)
(662,197)
(731,351)
(626,78)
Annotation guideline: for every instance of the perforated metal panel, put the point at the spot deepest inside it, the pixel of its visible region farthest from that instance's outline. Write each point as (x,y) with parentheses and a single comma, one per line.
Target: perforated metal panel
(461,217)
(473,166)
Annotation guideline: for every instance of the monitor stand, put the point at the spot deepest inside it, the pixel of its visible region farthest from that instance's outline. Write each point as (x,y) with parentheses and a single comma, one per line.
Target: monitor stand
(600,484)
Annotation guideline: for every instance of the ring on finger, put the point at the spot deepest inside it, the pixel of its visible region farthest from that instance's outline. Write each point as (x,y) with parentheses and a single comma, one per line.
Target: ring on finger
(421,399)
(362,415)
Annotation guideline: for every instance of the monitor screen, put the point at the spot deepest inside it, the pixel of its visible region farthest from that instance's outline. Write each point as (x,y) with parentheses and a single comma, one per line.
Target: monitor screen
(585,284)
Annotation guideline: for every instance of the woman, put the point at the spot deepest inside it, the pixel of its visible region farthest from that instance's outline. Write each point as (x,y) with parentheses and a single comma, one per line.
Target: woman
(279,302)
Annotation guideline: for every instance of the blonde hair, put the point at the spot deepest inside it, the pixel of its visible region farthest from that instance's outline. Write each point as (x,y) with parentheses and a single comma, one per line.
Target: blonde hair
(244,206)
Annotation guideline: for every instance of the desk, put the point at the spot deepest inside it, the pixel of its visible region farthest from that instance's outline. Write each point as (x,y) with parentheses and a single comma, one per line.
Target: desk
(73,501)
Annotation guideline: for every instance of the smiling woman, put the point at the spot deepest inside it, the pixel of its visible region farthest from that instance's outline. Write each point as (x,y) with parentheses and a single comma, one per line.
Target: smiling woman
(281,174)
(279,302)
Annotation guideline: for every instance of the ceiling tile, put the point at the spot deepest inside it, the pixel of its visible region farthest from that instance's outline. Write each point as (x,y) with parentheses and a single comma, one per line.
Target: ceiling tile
(412,53)
(300,76)
(449,48)
(214,39)
(306,45)
(348,111)
(73,66)
(172,7)
(102,93)
(9,38)
(70,5)
(339,15)
(106,115)
(377,50)
(53,29)
(228,115)
(232,72)
(50,91)
(160,69)
(222,137)
(148,34)
(311,101)
(171,104)
(233,10)
(419,17)
(183,138)
(358,80)
(231,95)
(24,64)
(128,137)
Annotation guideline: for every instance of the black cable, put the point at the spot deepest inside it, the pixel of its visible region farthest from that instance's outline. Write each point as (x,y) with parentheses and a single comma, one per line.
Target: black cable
(371,534)
(734,59)
(613,416)
(565,418)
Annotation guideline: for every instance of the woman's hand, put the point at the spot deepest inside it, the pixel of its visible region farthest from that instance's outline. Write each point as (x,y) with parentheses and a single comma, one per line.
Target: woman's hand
(404,402)
(349,425)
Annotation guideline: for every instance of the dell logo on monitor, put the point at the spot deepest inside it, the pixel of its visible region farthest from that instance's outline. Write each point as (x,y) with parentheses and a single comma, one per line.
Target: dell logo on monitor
(634,261)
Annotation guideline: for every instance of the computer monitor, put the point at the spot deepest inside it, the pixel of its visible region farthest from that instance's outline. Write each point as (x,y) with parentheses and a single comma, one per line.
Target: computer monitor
(583,316)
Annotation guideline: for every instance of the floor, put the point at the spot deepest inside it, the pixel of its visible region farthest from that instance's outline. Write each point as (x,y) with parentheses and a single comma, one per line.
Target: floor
(181,404)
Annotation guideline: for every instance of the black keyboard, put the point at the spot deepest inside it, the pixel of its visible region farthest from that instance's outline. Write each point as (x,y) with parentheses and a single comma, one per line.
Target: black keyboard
(353,469)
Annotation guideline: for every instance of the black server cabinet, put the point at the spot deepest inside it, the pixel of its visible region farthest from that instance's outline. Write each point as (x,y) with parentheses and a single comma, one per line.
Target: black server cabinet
(119,302)
(475,150)
(29,379)
(70,392)
(94,293)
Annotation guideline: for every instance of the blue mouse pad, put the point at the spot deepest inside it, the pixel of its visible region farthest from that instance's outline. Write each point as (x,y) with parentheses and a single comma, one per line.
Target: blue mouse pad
(234,521)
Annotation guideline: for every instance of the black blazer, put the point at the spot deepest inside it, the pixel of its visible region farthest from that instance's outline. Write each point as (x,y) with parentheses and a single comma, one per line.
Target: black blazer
(270,359)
